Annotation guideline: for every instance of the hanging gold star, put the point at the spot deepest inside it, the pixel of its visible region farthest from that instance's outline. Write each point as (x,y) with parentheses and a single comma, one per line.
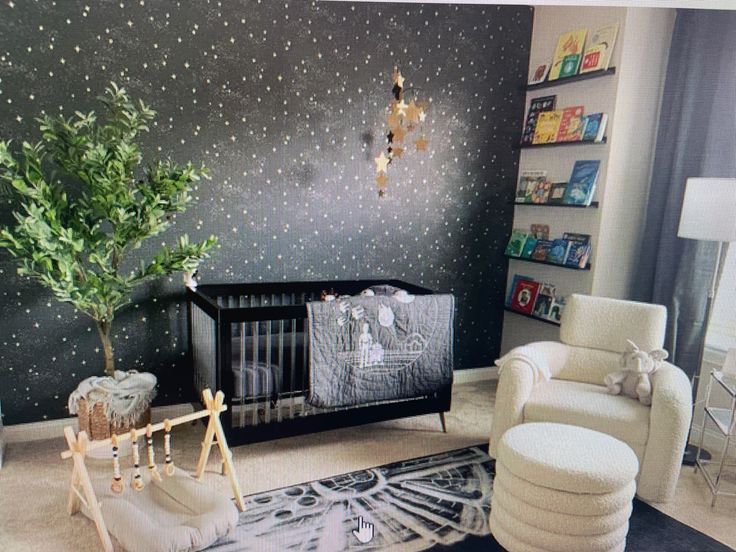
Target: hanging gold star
(398,134)
(393,121)
(397,152)
(412,112)
(421,144)
(397,78)
(381,162)
(422,116)
(400,108)
(381,180)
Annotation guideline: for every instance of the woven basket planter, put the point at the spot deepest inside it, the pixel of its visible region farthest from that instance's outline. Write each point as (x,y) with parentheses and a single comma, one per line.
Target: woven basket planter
(98,427)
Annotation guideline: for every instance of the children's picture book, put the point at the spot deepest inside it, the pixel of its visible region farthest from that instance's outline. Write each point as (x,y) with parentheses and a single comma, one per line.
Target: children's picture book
(569,44)
(555,311)
(516,278)
(541,250)
(536,106)
(529,245)
(545,298)
(595,127)
(582,182)
(571,124)
(540,193)
(579,251)
(525,295)
(539,74)
(548,124)
(557,193)
(540,231)
(558,251)
(516,242)
(528,180)
(570,65)
(598,52)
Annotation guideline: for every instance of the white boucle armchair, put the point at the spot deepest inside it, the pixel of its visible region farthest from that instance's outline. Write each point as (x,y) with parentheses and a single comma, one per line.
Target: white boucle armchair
(593,335)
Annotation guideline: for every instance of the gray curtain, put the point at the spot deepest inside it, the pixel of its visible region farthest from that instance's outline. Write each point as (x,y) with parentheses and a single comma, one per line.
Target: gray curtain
(696,137)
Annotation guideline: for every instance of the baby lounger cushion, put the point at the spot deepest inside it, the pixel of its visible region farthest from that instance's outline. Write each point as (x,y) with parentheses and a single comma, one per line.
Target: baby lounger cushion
(177,514)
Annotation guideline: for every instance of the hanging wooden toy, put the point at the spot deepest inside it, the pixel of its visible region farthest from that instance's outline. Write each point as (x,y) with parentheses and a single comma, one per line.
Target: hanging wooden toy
(152,468)
(161,520)
(169,467)
(117,479)
(402,120)
(137,482)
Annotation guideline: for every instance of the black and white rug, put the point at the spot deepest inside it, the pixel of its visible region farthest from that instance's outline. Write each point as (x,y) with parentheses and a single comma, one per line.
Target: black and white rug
(439,503)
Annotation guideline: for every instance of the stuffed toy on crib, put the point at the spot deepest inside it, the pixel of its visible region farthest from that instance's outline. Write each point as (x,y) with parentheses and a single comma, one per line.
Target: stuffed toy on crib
(635,380)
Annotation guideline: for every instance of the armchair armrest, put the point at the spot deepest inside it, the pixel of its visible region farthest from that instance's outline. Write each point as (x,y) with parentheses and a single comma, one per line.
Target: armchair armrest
(515,385)
(669,424)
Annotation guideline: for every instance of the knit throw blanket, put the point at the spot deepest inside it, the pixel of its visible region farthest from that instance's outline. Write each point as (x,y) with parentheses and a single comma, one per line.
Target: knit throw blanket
(124,397)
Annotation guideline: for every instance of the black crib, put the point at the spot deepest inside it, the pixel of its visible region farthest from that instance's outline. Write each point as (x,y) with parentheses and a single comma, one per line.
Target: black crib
(250,340)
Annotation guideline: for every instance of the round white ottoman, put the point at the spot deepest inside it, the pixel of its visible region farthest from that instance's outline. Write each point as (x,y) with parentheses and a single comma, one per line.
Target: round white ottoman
(560,488)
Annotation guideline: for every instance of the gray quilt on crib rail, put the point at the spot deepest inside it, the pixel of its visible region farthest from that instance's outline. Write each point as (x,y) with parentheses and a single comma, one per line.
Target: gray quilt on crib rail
(368,349)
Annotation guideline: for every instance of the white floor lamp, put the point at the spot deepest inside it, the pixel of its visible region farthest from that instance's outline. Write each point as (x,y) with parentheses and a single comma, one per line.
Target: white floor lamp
(708,214)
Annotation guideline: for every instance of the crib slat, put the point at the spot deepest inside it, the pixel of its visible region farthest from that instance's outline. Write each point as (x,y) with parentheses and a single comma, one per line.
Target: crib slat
(304,358)
(256,351)
(243,363)
(281,369)
(292,373)
(267,399)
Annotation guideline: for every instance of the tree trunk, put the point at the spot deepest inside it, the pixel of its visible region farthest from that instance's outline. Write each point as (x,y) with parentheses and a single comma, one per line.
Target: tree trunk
(104,328)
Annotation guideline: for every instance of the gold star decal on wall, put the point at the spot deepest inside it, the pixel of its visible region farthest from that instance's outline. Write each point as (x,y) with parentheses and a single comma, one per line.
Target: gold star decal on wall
(381,180)
(400,108)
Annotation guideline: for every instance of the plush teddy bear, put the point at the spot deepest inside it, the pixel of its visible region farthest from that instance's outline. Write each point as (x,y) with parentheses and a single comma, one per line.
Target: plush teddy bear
(635,380)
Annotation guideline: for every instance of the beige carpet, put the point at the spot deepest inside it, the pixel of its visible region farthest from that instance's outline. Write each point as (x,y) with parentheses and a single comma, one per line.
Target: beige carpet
(34,479)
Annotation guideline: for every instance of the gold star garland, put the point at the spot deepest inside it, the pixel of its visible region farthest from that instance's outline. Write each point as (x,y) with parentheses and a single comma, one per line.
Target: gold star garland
(403,119)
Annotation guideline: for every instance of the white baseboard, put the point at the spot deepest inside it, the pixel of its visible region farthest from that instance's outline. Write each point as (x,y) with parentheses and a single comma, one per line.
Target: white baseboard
(52,429)
(471,375)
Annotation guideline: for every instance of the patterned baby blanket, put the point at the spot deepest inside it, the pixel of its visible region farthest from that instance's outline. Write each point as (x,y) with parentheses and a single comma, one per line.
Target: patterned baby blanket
(368,349)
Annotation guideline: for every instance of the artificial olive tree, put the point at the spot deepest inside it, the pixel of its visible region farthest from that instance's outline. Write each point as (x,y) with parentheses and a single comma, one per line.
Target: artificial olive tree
(74,229)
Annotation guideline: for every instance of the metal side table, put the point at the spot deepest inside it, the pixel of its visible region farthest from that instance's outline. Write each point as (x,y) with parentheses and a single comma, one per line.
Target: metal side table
(723,420)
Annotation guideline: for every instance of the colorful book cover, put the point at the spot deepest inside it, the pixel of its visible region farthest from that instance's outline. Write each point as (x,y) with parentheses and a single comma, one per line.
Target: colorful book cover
(540,192)
(545,298)
(536,106)
(548,124)
(525,295)
(579,251)
(529,245)
(540,231)
(570,65)
(558,251)
(571,124)
(598,53)
(555,312)
(582,183)
(527,182)
(541,250)
(516,278)
(570,43)
(595,127)
(557,193)
(540,73)
(516,242)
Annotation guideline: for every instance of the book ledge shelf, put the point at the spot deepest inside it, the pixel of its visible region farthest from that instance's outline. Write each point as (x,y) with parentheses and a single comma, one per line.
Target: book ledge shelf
(545,320)
(559,265)
(574,78)
(593,205)
(573,143)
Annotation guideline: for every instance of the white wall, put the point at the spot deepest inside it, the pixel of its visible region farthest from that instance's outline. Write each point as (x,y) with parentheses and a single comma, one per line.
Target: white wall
(632,135)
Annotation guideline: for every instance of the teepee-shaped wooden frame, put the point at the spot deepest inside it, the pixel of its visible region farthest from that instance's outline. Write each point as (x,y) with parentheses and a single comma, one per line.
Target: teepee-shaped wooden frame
(82,491)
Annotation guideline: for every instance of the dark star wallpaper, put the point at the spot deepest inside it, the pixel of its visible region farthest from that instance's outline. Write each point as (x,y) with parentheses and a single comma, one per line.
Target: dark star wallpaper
(286,103)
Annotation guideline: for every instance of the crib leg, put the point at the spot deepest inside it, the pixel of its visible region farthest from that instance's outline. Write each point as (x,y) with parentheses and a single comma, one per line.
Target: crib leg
(442,421)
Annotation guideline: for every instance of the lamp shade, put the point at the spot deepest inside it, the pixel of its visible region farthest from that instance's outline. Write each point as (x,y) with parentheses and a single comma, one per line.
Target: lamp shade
(709,210)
